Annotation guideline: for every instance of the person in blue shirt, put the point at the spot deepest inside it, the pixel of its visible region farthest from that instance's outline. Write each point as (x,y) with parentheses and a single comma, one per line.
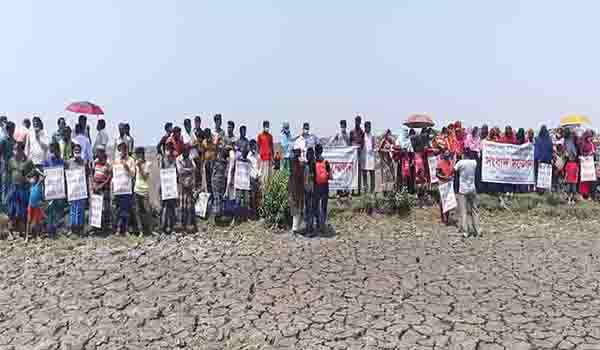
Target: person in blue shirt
(286,142)
(35,213)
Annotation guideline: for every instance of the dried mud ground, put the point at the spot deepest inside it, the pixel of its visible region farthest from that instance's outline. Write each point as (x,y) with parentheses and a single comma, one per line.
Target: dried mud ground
(378,283)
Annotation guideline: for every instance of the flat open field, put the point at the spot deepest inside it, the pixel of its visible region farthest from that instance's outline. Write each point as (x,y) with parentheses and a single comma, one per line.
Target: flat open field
(378,283)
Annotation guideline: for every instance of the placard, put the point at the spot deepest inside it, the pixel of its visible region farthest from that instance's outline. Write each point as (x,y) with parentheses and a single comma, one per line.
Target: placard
(121,181)
(344,167)
(544,179)
(76,184)
(506,163)
(168,184)
(96,207)
(202,204)
(588,169)
(54,183)
(447,196)
(432,162)
(242,176)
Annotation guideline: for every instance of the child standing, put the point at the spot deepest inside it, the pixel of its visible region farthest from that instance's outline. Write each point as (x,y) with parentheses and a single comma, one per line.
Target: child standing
(322,177)
(77,207)
(445,174)
(101,185)
(255,176)
(243,195)
(185,169)
(310,213)
(168,206)
(571,177)
(296,190)
(124,201)
(141,191)
(55,206)
(35,213)
(219,183)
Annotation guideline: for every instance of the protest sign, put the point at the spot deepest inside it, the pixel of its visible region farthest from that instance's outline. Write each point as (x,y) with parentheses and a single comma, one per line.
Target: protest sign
(242,176)
(54,183)
(96,207)
(168,184)
(76,184)
(344,167)
(447,196)
(506,163)
(202,204)
(588,169)
(544,179)
(121,181)
(432,162)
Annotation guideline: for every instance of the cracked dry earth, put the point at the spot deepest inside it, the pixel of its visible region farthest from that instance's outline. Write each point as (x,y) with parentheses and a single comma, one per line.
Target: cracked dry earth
(380,283)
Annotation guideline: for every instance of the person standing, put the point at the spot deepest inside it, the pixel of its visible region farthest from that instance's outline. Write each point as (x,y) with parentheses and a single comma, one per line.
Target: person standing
(84,143)
(368,160)
(357,138)
(342,138)
(265,149)
(124,201)
(121,138)
(219,183)
(161,147)
(102,138)
(286,142)
(218,132)
(19,166)
(55,206)
(322,176)
(58,134)
(101,180)
(445,174)
(35,213)
(130,141)
(209,147)
(197,144)
(7,144)
(189,137)
(542,151)
(169,206)
(385,150)
(469,208)
(255,175)
(65,144)
(143,208)
(77,207)
(229,142)
(296,190)
(310,214)
(23,131)
(242,143)
(307,141)
(37,143)
(185,171)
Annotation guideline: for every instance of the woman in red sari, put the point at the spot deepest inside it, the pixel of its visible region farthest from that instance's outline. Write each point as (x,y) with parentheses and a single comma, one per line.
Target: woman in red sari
(586,149)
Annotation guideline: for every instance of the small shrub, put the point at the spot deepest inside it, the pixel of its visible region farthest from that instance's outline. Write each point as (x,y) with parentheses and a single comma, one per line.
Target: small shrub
(552,199)
(400,202)
(275,207)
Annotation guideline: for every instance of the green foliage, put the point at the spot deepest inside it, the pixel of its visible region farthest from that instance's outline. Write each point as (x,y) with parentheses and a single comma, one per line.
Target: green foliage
(399,202)
(552,199)
(274,207)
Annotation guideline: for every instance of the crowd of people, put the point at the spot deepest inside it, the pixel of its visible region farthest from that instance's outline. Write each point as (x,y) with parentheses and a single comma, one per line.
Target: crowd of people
(213,160)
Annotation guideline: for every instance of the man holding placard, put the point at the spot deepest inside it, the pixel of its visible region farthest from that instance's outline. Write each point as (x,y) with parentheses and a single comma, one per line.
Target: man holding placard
(143,210)
(76,189)
(54,186)
(123,173)
(101,188)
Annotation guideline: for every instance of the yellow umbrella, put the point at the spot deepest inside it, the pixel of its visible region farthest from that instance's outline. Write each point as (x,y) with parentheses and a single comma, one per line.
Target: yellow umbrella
(574,119)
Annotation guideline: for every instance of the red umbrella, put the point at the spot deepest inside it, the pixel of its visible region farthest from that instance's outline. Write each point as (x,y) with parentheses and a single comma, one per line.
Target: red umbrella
(85,107)
(419,121)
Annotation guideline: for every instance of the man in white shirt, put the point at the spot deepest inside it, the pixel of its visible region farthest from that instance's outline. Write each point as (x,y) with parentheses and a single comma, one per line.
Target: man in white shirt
(102,138)
(37,143)
(467,195)
(83,141)
(306,140)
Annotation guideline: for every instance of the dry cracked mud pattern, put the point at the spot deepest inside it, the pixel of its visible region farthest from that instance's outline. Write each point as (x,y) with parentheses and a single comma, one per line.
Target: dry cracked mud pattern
(380,283)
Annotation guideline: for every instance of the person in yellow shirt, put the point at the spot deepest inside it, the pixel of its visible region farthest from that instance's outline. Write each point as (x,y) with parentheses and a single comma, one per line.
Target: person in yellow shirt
(143,209)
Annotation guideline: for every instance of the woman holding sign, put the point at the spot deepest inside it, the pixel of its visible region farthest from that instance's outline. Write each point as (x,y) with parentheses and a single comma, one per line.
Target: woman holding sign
(587,149)
(55,205)
(101,185)
(18,191)
(76,189)
(123,172)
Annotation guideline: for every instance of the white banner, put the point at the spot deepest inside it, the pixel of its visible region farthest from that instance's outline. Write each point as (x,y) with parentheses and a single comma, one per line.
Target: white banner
(509,164)
(202,204)
(447,196)
(121,181)
(432,162)
(344,167)
(168,184)
(54,183)
(96,207)
(76,184)
(544,179)
(242,176)
(588,169)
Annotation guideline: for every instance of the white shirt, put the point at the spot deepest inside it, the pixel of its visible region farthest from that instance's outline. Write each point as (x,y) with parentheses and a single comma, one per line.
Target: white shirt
(254,170)
(466,169)
(36,146)
(101,139)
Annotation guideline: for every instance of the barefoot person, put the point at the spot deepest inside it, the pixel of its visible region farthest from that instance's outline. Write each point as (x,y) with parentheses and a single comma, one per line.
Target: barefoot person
(143,209)
(19,166)
(469,212)
(101,181)
(35,213)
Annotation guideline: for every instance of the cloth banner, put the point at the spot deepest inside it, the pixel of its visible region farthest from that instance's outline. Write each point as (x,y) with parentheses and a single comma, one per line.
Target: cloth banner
(76,184)
(96,207)
(432,162)
(121,181)
(588,169)
(54,183)
(544,179)
(447,196)
(168,184)
(344,167)
(508,164)
(202,204)
(242,176)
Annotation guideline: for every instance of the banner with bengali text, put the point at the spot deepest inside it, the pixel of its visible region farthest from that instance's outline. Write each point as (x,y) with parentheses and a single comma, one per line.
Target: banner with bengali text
(508,164)
(344,167)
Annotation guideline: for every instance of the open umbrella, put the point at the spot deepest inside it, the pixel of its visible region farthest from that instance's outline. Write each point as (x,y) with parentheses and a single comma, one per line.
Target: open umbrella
(419,121)
(575,119)
(85,107)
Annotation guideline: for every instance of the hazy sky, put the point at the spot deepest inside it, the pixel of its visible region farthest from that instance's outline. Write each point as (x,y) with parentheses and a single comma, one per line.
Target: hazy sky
(147,62)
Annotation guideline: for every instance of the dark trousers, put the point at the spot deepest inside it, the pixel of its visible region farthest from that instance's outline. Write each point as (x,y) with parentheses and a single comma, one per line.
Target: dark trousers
(123,211)
(188,215)
(311,215)
(208,169)
(321,200)
(369,186)
(168,215)
(143,213)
